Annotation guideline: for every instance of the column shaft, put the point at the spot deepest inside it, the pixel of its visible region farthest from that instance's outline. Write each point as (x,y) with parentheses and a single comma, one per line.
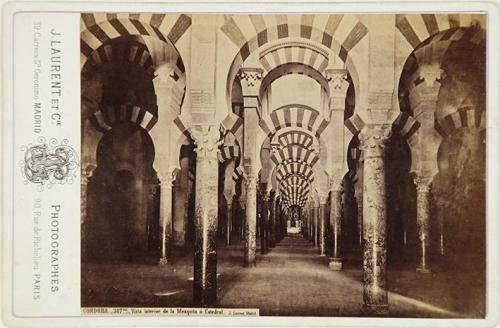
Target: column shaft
(372,141)
(205,253)
(335,262)
(250,221)
(205,215)
(322,234)
(229,223)
(360,220)
(423,187)
(166,218)
(264,226)
(272,223)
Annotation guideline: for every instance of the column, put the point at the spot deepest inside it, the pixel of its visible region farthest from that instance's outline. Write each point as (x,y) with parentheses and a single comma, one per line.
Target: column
(85,178)
(373,139)
(242,215)
(165,216)
(425,143)
(335,261)
(309,223)
(316,225)
(250,220)
(206,139)
(272,221)
(423,227)
(359,204)
(322,223)
(250,81)
(229,222)
(264,217)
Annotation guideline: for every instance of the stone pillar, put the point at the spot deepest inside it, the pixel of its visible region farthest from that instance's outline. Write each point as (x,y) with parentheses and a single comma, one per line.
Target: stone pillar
(359,203)
(166,180)
(335,261)
(206,139)
(229,222)
(316,225)
(373,140)
(425,144)
(264,219)
(423,224)
(250,220)
(322,229)
(272,222)
(86,174)
(310,223)
(242,215)
(441,205)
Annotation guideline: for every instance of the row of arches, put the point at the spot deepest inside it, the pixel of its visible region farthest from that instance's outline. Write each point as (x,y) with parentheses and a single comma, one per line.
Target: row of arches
(298,103)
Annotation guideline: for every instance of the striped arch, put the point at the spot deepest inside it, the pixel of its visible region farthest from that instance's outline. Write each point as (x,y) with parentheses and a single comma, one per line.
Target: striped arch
(136,53)
(294,153)
(97,32)
(295,195)
(228,152)
(283,170)
(300,116)
(464,117)
(404,124)
(417,28)
(296,137)
(429,55)
(234,124)
(295,181)
(293,68)
(105,118)
(340,33)
(97,29)
(238,173)
(294,52)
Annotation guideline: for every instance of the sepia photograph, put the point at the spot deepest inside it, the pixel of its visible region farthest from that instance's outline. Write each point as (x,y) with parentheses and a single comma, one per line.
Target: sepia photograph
(287,164)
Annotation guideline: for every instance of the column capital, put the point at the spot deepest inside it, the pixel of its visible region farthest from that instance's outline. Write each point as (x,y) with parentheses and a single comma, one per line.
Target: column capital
(166,178)
(163,84)
(423,184)
(162,76)
(425,91)
(337,82)
(431,74)
(373,139)
(87,171)
(207,139)
(250,180)
(323,199)
(250,79)
(335,182)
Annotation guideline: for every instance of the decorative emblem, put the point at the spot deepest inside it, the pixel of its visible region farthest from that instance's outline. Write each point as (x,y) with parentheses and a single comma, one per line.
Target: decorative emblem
(46,164)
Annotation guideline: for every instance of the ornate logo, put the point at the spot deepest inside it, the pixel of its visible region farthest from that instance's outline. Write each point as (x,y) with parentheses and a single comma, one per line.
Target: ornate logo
(46,164)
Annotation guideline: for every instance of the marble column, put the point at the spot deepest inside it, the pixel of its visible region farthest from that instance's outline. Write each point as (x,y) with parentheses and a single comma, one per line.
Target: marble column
(373,140)
(441,205)
(335,261)
(206,139)
(359,203)
(272,222)
(316,226)
(165,217)
(264,218)
(85,178)
(322,229)
(250,220)
(229,222)
(310,225)
(423,185)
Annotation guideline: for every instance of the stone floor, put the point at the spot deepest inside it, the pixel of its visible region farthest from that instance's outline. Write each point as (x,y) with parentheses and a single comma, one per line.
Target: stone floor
(292,279)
